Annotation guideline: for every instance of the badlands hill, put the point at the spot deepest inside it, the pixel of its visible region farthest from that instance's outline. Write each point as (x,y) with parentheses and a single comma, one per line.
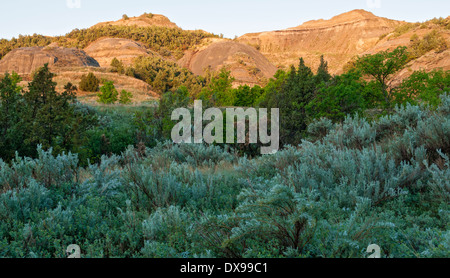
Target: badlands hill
(252,58)
(339,39)
(69,65)
(106,49)
(247,65)
(25,60)
(145,20)
(346,36)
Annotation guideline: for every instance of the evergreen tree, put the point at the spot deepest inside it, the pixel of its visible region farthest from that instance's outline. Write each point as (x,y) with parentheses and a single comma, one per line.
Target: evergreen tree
(47,115)
(10,109)
(89,83)
(291,98)
(322,72)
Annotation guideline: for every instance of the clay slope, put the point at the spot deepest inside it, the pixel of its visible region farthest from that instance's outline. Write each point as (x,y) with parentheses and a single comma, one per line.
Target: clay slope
(26,60)
(142,92)
(247,65)
(338,39)
(145,20)
(428,62)
(106,49)
(433,59)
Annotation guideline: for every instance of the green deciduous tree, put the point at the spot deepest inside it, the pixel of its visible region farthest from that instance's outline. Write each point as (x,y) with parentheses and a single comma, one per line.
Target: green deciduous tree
(424,86)
(380,68)
(168,103)
(274,85)
(219,91)
(108,93)
(342,96)
(247,96)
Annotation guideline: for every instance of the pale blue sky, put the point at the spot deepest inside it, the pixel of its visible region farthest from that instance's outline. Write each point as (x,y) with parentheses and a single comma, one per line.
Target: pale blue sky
(229,17)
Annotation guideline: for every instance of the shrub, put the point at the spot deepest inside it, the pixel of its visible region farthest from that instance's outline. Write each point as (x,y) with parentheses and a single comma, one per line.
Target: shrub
(357,183)
(117,66)
(165,76)
(125,97)
(404,28)
(108,93)
(89,83)
(431,41)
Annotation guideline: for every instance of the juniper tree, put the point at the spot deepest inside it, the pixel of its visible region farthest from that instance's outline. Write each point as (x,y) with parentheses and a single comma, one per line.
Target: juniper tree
(291,98)
(323,74)
(9,114)
(49,118)
(89,83)
(47,111)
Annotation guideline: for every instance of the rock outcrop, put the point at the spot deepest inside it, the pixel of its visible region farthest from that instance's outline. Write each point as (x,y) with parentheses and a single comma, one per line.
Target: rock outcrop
(106,49)
(26,60)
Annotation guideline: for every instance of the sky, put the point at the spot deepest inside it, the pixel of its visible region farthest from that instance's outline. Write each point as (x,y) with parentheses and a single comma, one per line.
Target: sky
(229,17)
